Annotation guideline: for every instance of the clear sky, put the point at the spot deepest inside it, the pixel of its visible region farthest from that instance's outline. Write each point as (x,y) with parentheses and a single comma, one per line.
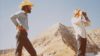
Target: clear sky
(44,14)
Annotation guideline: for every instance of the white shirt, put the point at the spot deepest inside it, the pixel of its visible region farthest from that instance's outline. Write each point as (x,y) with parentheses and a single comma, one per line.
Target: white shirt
(20,18)
(79,29)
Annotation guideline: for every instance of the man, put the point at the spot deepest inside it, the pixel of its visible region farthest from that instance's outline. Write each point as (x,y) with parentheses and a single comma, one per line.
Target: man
(79,22)
(20,20)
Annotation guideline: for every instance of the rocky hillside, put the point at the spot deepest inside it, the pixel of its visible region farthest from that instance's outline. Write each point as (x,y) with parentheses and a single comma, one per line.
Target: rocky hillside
(59,40)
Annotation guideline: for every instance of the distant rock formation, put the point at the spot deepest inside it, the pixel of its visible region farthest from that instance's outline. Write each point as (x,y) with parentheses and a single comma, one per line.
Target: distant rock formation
(59,40)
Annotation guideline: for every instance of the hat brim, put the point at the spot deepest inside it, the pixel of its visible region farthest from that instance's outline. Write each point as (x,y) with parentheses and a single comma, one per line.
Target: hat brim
(25,3)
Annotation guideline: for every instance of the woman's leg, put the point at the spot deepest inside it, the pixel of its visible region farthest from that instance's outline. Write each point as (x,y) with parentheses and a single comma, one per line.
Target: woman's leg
(82,46)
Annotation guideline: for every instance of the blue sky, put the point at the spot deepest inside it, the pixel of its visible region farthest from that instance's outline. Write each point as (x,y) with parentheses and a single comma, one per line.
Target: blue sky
(44,14)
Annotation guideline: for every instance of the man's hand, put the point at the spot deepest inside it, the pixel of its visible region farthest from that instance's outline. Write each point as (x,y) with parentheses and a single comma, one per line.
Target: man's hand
(20,27)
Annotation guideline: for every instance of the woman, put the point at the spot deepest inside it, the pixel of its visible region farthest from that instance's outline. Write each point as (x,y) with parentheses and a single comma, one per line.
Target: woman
(79,22)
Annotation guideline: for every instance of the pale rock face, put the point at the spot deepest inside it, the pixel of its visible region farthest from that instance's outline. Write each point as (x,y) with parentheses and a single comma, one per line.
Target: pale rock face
(59,40)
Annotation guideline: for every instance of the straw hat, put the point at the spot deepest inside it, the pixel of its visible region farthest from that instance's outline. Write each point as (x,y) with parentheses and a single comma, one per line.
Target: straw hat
(25,2)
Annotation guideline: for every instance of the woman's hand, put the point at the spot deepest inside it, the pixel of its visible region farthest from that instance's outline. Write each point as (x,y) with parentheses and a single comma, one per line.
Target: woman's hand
(78,23)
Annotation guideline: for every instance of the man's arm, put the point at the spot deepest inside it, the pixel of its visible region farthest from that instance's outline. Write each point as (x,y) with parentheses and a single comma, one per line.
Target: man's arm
(14,20)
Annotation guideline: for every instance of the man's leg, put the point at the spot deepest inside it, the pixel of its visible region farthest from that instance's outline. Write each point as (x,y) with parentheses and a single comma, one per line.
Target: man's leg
(82,46)
(19,45)
(28,46)
(19,50)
